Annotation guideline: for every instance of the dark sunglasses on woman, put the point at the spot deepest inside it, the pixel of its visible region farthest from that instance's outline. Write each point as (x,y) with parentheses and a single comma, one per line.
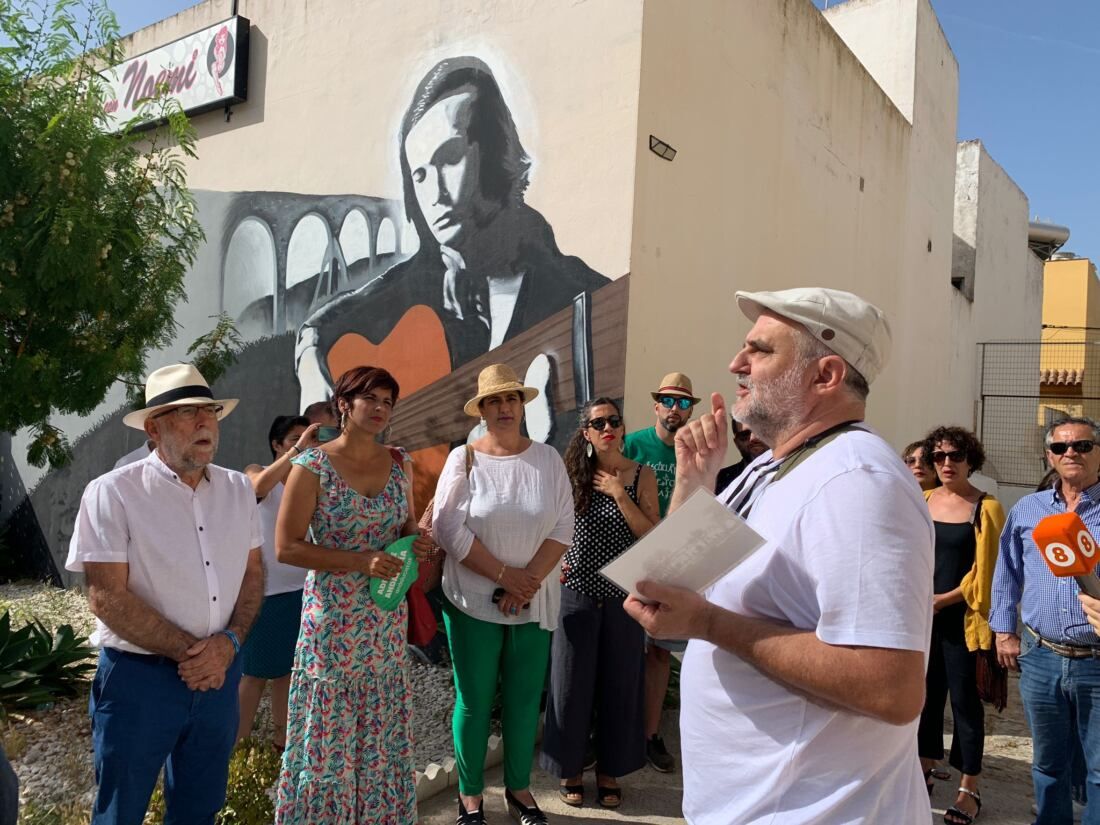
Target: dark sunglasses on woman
(670,401)
(956,456)
(599,423)
(1081,447)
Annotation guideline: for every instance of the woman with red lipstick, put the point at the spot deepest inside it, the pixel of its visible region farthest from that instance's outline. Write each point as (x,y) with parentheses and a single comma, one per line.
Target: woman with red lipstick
(920,466)
(348,755)
(597,658)
(968,527)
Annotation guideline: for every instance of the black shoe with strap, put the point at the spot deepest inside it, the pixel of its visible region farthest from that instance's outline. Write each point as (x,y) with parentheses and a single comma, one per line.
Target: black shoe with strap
(955,816)
(522,814)
(470,817)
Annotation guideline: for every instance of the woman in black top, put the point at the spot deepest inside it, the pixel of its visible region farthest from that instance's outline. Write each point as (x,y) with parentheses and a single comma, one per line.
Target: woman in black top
(597,654)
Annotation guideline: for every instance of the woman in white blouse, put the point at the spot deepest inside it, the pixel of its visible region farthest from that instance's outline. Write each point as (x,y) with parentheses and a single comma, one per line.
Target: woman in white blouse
(504,524)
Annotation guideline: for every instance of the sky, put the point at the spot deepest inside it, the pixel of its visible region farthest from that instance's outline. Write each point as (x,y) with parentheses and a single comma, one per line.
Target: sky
(1028,73)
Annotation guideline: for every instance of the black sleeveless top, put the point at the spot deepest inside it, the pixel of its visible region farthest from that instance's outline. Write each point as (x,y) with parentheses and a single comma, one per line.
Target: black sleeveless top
(955,549)
(600,535)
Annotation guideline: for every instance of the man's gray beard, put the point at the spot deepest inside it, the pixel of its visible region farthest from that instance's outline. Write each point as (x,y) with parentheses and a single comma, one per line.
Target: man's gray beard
(774,408)
(671,428)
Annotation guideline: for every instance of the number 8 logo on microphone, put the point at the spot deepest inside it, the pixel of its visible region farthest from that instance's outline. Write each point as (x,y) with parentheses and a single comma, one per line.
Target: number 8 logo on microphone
(1086,544)
(1062,555)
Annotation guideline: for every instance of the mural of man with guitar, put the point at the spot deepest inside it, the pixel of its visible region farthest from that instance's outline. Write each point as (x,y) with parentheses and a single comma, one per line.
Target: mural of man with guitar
(488,267)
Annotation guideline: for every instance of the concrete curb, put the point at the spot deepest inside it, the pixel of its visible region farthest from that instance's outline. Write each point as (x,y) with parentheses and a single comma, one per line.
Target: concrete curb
(435,778)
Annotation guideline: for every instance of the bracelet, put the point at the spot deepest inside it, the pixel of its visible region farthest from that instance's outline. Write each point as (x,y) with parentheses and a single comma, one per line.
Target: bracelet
(294,447)
(229,634)
(500,575)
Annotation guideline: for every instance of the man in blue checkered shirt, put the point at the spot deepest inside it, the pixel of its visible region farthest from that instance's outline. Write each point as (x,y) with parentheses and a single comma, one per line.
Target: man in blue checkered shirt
(1056,651)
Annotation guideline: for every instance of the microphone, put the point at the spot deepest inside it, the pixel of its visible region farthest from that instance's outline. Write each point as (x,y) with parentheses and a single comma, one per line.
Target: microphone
(1068,549)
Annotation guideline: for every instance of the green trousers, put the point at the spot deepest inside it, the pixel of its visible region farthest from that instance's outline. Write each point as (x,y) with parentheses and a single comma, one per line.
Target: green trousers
(484,655)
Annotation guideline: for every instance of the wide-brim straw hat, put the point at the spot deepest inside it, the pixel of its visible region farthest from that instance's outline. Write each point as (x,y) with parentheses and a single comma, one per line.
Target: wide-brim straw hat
(178,385)
(494,380)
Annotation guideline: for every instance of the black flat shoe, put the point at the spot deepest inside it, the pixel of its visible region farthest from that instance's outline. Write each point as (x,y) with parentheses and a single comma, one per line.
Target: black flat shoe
(470,817)
(521,813)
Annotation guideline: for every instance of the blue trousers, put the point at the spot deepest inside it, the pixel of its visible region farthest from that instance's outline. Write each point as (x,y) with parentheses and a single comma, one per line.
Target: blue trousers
(144,718)
(1061,698)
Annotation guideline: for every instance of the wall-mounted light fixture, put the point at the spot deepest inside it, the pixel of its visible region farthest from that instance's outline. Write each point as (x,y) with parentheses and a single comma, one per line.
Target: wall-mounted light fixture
(661,149)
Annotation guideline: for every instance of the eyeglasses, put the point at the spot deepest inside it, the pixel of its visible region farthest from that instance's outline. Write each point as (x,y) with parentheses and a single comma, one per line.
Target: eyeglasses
(189,412)
(742,435)
(956,456)
(1081,447)
(599,423)
(670,401)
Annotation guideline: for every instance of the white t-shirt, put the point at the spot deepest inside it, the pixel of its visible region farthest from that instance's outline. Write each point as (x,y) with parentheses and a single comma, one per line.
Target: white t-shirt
(850,556)
(278,577)
(136,454)
(186,548)
(512,504)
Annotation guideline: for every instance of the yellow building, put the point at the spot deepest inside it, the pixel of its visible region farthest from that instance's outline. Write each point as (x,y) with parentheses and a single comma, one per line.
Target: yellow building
(1070,359)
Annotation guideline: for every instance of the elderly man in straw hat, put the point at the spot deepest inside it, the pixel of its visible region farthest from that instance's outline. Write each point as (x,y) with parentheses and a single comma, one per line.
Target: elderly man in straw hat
(804,677)
(170,551)
(673,402)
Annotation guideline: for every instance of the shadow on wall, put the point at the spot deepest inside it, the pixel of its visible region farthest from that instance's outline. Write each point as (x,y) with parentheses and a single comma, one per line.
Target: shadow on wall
(263,378)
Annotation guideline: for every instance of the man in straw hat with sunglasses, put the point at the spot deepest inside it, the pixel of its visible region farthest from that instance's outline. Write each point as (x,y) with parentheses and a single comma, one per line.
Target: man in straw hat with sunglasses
(170,551)
(804,676)
(1056,651)
(673,402)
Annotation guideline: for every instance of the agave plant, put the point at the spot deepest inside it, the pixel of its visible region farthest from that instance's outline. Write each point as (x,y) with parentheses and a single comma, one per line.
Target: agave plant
(37,666)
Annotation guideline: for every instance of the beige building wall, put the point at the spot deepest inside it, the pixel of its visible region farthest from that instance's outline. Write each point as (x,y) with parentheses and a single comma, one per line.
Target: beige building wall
(802,172)
(1071,338)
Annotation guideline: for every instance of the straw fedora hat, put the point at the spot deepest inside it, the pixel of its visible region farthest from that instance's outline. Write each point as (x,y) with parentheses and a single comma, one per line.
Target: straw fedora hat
(676,384)
(177,385)
(494,380)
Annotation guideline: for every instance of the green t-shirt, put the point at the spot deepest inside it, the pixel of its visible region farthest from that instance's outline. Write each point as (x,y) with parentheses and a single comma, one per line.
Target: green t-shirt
(645,447)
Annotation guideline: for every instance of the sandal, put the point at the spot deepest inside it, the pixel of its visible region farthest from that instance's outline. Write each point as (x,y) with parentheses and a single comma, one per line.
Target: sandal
(572,795)
(962,817)
(934,773)
(609,797)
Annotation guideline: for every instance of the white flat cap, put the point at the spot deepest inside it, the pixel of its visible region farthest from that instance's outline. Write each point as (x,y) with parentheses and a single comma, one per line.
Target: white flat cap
(854,329)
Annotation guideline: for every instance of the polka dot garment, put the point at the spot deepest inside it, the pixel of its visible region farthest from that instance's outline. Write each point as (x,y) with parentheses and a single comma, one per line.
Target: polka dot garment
(601,535)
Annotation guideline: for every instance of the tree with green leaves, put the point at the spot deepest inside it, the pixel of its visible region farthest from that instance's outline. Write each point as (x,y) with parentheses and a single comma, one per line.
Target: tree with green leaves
(97,228)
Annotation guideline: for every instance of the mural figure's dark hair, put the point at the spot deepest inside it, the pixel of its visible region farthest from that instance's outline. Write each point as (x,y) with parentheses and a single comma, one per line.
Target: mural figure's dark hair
(360,381)
(960,439)
(505,164)
(578,465)
(282,425)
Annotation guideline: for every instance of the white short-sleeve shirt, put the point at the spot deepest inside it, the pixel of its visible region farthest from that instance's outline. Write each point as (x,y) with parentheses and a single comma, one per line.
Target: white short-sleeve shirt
(186,548)
(512,504)
(850,556)
(278,577)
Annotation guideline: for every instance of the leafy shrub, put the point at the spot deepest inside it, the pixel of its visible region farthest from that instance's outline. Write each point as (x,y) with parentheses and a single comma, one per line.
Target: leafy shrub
(37,666)
(253,771)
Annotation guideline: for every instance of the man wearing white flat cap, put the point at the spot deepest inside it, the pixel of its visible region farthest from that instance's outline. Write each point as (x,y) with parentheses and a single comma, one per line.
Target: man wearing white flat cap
(170,551)
(804,676)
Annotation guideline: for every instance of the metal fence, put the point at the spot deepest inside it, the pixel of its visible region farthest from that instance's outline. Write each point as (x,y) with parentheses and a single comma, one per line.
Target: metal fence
(1025,386)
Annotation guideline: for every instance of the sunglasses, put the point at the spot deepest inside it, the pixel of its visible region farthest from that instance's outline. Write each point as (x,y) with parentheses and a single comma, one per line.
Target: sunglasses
(1081,447)
(743,435)
(599,423)
(670,401)
(956,456)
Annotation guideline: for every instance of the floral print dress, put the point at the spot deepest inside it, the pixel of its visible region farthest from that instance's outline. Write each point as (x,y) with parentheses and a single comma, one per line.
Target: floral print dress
(348,758)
